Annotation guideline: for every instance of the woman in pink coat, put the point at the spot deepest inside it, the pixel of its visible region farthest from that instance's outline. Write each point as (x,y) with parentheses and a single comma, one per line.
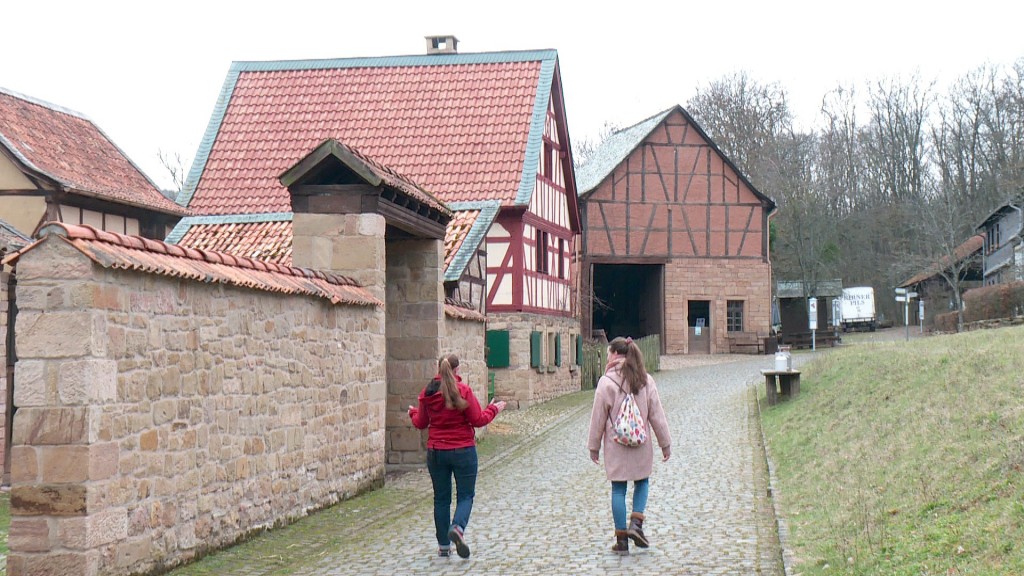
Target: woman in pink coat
(625,373)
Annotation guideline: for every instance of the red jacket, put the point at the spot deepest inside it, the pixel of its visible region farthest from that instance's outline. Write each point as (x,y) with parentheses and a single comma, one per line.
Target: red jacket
(450,428)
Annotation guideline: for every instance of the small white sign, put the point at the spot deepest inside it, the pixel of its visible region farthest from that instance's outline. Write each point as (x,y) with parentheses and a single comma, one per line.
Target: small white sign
(901,290)
(901,298)
(812,313)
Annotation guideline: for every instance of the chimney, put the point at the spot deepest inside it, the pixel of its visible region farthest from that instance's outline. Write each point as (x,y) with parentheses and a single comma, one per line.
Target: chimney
(442,44)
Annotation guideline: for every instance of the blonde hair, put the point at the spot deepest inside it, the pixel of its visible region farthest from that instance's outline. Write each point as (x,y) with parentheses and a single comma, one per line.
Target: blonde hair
(633,371)
(449,387)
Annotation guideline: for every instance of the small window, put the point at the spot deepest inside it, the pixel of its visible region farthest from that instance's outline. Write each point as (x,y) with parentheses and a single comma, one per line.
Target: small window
(549,160)
(536,350)
(734,316)
(561,258)
(542,252)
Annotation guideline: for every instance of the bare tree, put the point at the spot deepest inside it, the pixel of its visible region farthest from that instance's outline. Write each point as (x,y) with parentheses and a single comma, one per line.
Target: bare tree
(583,150)
(177,168)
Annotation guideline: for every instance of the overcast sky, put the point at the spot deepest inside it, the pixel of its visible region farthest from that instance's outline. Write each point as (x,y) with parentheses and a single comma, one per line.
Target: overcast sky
(149,73)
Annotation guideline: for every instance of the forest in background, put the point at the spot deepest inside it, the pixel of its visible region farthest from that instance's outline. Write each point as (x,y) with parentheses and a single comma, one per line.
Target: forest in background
(893,176)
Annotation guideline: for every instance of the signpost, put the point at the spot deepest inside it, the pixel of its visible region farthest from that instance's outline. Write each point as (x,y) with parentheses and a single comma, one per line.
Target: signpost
(812,319)
(902,295)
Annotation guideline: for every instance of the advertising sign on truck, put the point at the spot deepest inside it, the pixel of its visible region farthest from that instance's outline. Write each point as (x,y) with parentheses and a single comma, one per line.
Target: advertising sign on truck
(857,308)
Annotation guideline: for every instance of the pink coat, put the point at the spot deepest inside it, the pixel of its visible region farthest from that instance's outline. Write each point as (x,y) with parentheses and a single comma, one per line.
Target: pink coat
(622,462)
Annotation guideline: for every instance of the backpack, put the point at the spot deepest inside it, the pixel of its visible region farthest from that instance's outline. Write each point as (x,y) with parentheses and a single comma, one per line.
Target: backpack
(628,428)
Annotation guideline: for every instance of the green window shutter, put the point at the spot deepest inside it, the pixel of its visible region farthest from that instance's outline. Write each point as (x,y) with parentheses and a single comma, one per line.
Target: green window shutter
(497,349)
(536,349)
(579,349)
(558,349)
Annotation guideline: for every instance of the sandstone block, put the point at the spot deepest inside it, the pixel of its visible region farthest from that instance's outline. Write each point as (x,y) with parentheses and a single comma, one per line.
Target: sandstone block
(63,464)
(87,381)
(24,464)
(33,389)
(58,564)
(29,535)
(56,334)
(48,500)
(51,426)
(94,530)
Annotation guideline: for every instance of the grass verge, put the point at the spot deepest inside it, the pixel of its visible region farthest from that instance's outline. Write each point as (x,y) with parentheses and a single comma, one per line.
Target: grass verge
(906,458)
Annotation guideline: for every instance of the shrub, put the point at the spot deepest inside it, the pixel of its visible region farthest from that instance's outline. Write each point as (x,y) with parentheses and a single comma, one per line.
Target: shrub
(946,322)
(993,302)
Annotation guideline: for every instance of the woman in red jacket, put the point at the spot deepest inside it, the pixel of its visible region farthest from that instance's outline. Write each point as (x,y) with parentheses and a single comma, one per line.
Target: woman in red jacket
(450,412)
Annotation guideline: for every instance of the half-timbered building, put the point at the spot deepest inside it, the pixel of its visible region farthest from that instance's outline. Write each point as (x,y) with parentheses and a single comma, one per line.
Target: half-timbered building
(675,239)
(485,133)
(56,165)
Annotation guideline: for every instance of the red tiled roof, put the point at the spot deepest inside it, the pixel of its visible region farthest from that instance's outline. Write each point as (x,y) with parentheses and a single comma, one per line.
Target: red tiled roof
(961,252)
(69,149)
(112,250)
(458,312)
(266,241)
(358,161)
(460,131)
(459,227)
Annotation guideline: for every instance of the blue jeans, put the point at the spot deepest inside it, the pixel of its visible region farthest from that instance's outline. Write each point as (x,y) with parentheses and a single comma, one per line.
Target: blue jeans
(640,490)
(442,465)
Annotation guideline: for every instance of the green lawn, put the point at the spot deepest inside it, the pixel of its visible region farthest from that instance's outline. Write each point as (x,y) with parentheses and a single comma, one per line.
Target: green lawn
(906,458)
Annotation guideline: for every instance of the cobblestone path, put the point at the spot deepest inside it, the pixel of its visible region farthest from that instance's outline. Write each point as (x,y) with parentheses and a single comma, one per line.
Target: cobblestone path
(542,506)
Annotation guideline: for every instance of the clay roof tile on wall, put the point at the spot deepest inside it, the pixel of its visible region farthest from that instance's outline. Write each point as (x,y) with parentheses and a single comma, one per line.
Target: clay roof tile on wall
(112,250)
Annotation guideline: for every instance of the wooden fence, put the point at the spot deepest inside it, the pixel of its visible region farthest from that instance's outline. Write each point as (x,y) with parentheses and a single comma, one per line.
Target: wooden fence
(595,356)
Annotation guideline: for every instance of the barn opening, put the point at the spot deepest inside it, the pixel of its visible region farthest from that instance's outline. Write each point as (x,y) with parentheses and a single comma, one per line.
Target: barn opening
(628,300)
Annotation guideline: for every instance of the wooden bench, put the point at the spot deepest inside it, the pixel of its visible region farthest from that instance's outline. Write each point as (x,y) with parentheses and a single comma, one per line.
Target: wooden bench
(781,385)
(804,339)
(745,343)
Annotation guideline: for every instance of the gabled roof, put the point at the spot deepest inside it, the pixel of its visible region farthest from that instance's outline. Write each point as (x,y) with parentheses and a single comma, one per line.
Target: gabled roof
(613,150)
(1011,205)
(65,148)
(266,237)
(11,237)
(464,234)
(621,143)
(112,250)
(466,127)
(803,289)
(970,247)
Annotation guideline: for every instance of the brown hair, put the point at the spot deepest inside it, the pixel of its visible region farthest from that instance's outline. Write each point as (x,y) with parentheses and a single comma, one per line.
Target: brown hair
(449,388)
(633,372)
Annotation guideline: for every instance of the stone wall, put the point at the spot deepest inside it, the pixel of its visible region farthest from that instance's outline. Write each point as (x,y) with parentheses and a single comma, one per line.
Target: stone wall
(718,281)
(466,339)
(521,384)
(4,301)
(160,418)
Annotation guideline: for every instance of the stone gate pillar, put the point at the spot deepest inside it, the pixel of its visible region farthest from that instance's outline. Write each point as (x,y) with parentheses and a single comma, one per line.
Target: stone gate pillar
(415,328)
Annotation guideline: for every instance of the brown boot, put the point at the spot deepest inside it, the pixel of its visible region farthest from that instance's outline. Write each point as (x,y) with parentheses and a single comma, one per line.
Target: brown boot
(636,530)
(621,543)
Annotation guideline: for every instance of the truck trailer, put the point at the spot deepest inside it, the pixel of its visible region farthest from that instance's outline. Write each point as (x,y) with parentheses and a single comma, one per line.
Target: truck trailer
(857,308)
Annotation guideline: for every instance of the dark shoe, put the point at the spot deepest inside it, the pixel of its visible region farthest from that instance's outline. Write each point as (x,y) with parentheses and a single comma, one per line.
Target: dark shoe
(444,552)
(455,535)
(636,530)
(621,546)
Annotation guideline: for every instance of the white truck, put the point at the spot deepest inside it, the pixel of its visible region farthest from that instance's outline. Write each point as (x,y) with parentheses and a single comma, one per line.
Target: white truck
(857,309)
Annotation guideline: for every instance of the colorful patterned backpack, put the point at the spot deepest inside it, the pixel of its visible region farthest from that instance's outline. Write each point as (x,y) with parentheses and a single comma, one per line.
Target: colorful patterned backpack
(628,427)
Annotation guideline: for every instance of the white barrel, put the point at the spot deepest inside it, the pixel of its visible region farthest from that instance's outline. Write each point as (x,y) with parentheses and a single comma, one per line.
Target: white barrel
(781,362)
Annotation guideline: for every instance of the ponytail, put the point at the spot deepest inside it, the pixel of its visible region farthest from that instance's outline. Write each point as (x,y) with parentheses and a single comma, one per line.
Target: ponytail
(449,387)
(633,372)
